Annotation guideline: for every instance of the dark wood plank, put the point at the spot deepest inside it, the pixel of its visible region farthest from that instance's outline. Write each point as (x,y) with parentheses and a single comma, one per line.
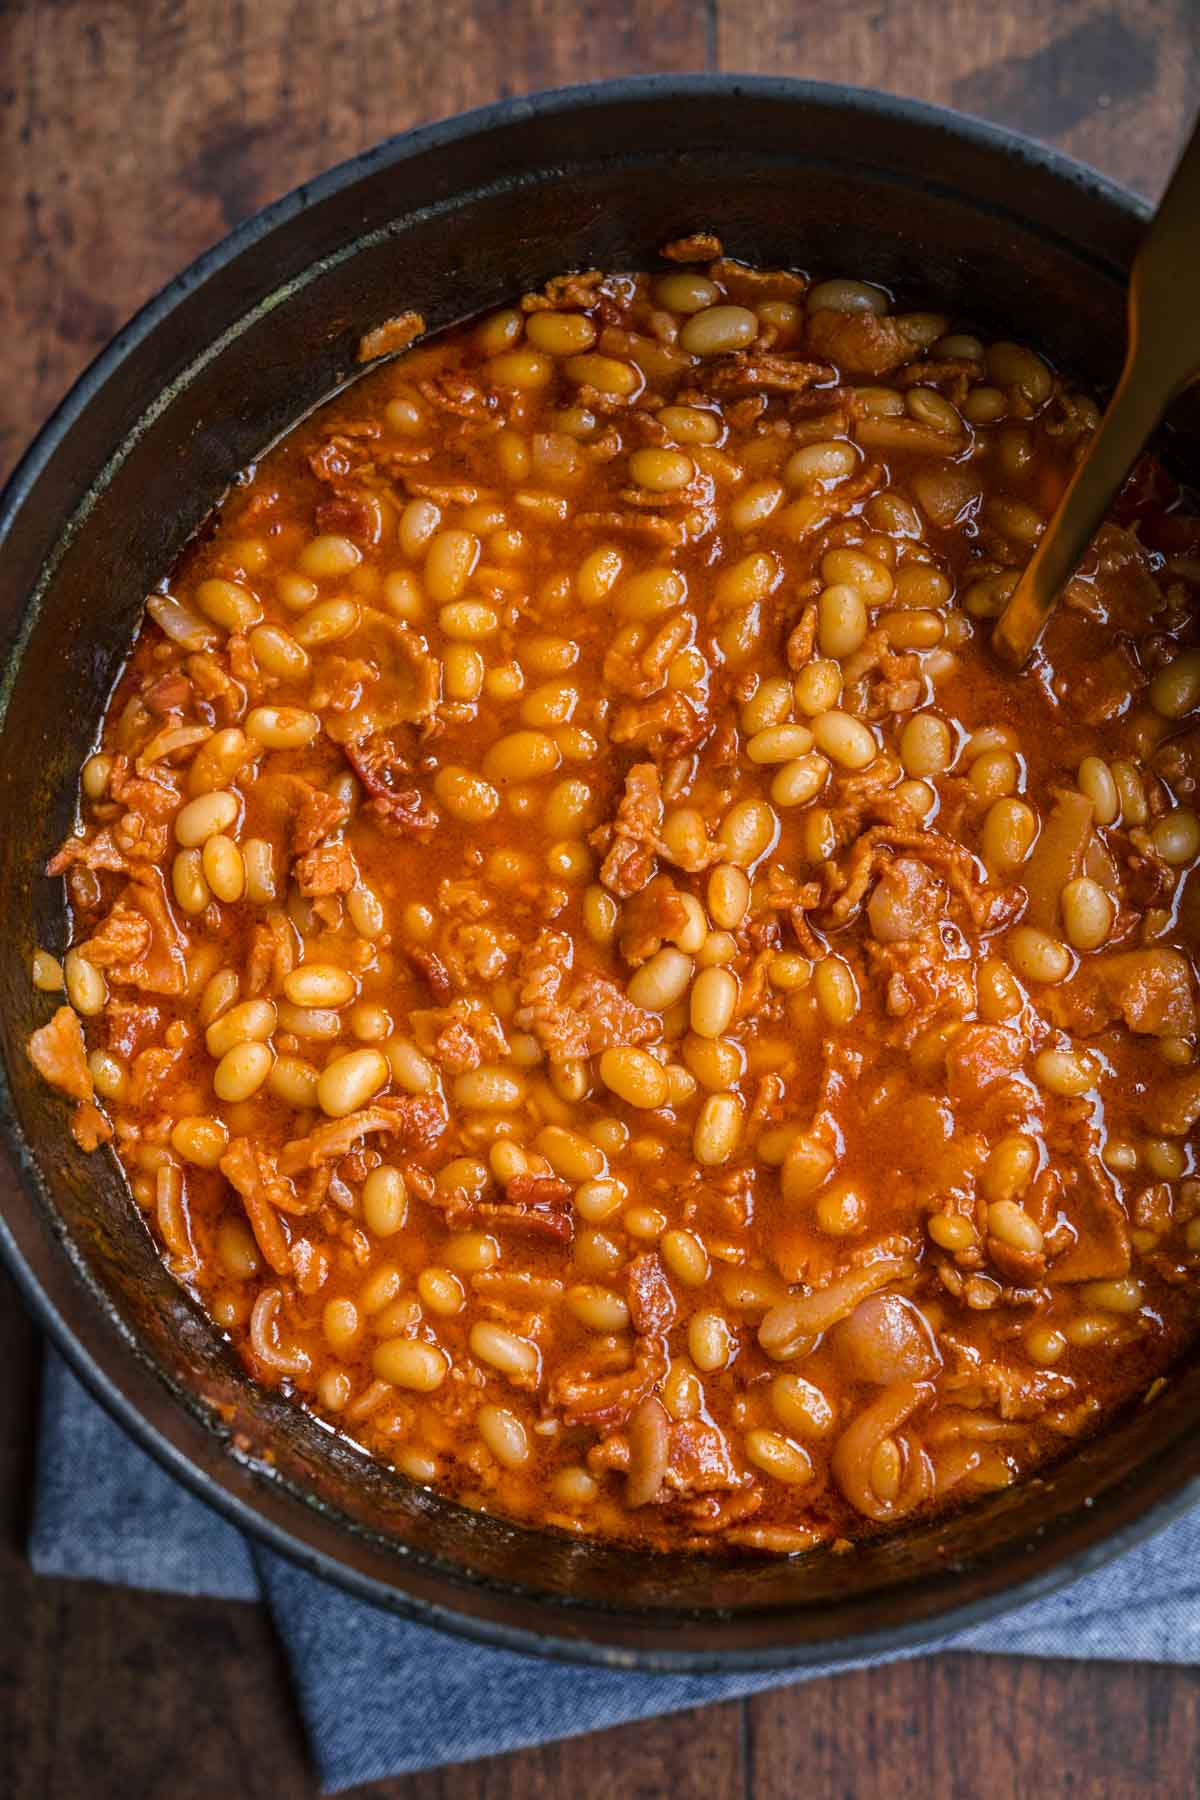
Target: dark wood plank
(132,137)
(981,1728)
(1112,81)
(689,1756)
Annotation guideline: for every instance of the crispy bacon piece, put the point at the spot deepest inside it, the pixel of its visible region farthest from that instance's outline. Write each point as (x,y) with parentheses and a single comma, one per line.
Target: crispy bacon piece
(459,1036)
(860,342)
(416,1119)
(649,918)
(272,953)
(316,815)
(396,333)
(566,293)
(573,1016)
(700,1460)
(57,1052)
(586,1399)
(533,1206)
(123,937)
(747,371)
(250,1171)
(666,726)
(89,1127)
(386,773)
(329,869)
(437,976)
(629,863)
(701,246)
(97,852)
(648,1292)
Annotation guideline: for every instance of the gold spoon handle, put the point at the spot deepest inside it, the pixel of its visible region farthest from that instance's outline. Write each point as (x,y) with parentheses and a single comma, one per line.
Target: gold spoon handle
(1163,356)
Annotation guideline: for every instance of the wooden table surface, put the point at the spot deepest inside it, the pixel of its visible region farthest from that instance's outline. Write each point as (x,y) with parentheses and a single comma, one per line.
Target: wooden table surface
(133,133)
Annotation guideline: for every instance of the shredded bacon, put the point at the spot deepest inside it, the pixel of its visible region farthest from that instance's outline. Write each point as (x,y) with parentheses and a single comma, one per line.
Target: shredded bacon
(394,334)
(57,1052)
(416,1120)
(629,863)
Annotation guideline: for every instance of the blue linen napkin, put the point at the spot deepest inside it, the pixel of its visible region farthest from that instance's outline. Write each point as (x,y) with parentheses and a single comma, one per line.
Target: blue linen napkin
(105,1511)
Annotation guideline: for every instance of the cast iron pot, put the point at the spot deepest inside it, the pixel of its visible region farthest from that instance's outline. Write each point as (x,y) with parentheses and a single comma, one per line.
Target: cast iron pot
(451,219)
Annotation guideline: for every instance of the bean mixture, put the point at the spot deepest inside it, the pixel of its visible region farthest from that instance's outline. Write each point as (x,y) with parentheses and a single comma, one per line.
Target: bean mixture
(599,984)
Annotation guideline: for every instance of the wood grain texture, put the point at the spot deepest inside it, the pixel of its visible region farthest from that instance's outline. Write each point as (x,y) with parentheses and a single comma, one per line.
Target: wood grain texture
(1114,83)
(132,136)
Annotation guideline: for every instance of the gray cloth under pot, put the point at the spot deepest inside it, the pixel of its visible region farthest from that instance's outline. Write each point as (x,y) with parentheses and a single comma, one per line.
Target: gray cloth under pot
(380,1696)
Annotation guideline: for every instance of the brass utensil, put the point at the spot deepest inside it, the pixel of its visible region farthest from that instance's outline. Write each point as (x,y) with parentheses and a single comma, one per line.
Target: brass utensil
(1162,359)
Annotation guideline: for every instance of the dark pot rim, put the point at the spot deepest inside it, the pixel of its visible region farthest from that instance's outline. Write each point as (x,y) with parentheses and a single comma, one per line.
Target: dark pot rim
(111,1369)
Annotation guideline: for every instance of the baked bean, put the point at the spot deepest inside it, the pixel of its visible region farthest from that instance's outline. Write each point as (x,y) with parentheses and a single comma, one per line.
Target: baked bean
(598,1308)
(779,743)
(926,747)
(841,1211)
(818,687)
(800,1406)
(718,1129)
(728,896)
(718,329)
(293,1081)
(1012,1225)
(836,990)
(569,1154)
(228,604)
(846,741)
(661,980)
(710,1342)
(1096,781)
(841,621)
(1176,837)
(200,1140)
(1009,830)
(634,1076)
(604,373)
(223,868)
(325,623)
(251,1022)
(1013,366)
(521,756)
(778,1457)
(754,505)
(504,1350)
(408,1363)
(1065,1072)
(1087,913)
(242,1071)
(204,817)
(747,832)
(86,987)
(1037,956)
(1131,789)
(662,471)
(855,569)
(466,795)
(319,984)
(806,1165)
(1175,690)
(349,1081)
(951,1231)
(713,1000)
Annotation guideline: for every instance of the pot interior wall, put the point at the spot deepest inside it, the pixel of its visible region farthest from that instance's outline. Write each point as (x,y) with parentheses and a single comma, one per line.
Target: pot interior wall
(452,227)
